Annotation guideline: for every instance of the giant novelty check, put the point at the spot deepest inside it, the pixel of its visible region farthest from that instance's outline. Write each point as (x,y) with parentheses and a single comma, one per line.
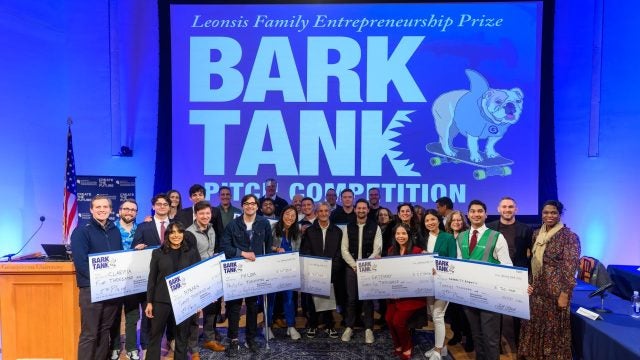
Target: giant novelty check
(315,275)
(497,288)
(119,273)
(267,274)
(395,277)
(195,287)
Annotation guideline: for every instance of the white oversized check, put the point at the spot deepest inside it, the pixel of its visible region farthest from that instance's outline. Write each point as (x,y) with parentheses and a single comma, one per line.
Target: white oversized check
(395,277)
(195,287)
(498,288)
(268,274)
(119,273)
(315,275)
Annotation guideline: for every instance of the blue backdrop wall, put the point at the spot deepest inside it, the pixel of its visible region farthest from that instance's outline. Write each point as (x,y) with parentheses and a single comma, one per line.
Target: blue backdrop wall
(81,59)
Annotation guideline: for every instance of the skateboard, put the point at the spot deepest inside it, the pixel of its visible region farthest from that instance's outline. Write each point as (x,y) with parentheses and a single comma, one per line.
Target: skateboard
(498,166)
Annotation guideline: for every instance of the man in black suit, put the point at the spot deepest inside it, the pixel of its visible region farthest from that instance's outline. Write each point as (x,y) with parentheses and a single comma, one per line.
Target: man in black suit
(187,216)
(323,239)
(519,237)
(270,188)
(151,233)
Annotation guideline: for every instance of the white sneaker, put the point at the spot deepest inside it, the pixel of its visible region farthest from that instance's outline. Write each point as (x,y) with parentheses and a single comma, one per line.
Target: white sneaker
(368,336)
(443,352)
(291,331)
(346,335)
(270,334)
(429,352)
(115,355)
(434,356)
(133,355)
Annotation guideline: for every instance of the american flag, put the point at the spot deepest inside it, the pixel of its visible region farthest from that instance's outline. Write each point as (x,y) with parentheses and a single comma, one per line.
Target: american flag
(69,215)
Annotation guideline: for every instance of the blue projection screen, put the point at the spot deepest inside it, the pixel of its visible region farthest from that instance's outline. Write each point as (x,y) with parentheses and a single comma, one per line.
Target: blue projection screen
(419,100)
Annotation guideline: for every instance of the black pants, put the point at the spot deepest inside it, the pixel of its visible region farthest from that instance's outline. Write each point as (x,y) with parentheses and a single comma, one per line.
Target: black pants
(209,317)
(340,287)
(320,317)
(352,303)
(485,326)
(458,321)
(162,312)
(95,322)
(233,315)
(382,309)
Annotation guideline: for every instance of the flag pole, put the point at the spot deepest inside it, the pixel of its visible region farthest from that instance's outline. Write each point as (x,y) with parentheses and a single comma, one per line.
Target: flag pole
(265,307)
(70,200)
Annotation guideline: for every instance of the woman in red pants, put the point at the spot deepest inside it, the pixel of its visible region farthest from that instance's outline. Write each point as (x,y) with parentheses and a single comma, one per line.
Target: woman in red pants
(400,310)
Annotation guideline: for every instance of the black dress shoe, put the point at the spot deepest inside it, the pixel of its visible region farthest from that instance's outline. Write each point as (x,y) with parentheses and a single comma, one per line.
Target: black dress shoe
(233,349)
(252,346)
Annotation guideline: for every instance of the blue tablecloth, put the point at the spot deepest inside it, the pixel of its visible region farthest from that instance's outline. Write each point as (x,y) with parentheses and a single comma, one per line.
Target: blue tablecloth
(616,336)
(626,278)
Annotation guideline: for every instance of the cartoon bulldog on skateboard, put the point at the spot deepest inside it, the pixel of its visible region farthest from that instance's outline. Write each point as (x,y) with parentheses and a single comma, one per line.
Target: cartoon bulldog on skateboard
(478,113)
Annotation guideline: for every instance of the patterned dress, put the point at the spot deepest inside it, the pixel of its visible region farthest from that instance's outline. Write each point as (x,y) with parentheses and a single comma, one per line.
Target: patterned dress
(548,334)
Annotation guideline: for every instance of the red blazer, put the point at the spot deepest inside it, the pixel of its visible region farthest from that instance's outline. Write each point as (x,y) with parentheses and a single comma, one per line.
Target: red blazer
(408,304)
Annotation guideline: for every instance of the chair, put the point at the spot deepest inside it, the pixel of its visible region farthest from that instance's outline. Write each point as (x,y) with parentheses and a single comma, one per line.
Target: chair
(593,272)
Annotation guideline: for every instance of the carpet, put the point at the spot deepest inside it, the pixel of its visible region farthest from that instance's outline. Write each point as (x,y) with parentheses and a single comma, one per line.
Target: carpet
(323,347)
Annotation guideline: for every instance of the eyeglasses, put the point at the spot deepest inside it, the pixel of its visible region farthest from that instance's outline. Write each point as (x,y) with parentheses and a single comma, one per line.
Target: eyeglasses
(250,204)
(129,209)
(161,204)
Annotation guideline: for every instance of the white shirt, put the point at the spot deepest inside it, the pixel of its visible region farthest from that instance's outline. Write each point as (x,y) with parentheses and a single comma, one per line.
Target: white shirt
(158,226)
(324,235)
(377,246)
(431,243)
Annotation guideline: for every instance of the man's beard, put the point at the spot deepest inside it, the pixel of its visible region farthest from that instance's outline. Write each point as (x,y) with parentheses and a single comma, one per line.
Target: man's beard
(129,221)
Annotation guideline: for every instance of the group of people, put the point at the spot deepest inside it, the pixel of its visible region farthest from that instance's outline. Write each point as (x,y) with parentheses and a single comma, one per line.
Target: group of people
(356,229)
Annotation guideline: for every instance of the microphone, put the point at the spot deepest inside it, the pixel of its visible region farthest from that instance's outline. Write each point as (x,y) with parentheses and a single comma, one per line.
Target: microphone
(602,293)
(601,290)
(9,256)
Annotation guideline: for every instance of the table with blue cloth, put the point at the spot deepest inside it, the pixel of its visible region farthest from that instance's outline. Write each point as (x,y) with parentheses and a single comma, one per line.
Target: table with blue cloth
(626,279)
(615,336)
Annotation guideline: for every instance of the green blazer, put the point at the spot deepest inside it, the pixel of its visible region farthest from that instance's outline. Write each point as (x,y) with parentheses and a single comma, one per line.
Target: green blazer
(446,245)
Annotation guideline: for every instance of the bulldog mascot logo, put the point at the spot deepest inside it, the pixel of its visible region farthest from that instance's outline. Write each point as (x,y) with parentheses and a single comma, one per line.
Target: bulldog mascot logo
(478,113)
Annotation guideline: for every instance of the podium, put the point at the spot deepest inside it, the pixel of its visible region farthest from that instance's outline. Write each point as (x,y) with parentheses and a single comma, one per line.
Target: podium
(39,310)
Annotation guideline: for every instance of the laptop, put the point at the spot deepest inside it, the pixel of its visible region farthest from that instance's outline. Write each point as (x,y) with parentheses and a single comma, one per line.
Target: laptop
(56,252)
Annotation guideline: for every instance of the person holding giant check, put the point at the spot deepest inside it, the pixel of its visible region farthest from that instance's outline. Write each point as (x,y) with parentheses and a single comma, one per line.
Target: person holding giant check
(286,238)
(480,243)
(361,240)
(207,244)
(400,310)
(444,244)
(98,235)
(174,255)
(245,237)
(323,239)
